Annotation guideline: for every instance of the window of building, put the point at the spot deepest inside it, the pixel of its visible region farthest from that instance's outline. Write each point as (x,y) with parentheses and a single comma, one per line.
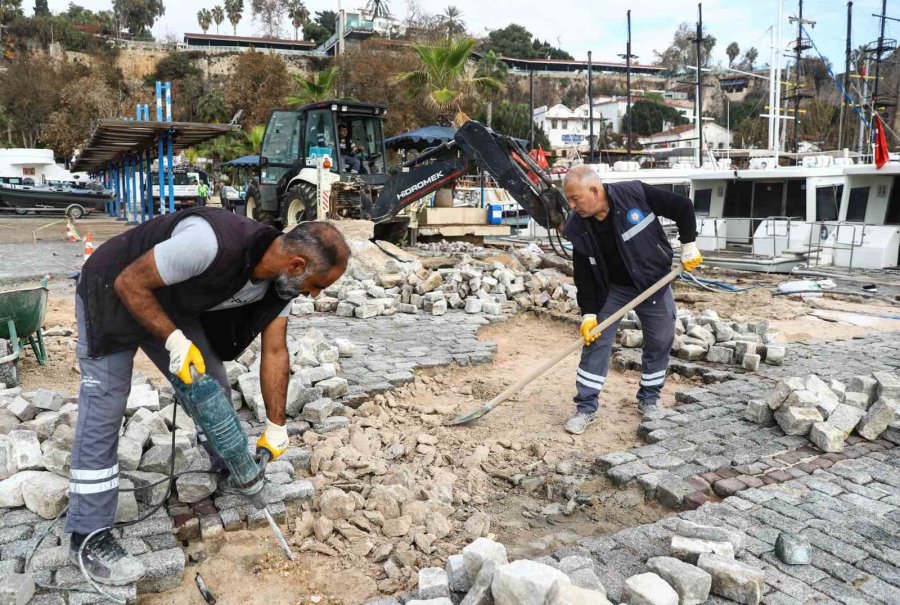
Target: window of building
(859,201)
(563,124)
(702,201)
(553,124)
(584,124)
(893,210)
(828,201)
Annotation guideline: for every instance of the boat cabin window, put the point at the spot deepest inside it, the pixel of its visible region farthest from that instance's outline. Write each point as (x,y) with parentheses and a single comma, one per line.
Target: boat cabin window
(795,204)
(768,199)
(682,189)
(738,196)
(702,201)
(859,201)
(828,201)
(893,210)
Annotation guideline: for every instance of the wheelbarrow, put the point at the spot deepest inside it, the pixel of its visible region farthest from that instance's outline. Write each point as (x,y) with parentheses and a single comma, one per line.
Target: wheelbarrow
(21,317)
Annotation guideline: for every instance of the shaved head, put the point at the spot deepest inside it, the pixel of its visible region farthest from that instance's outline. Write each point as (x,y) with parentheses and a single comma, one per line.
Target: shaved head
(585,193)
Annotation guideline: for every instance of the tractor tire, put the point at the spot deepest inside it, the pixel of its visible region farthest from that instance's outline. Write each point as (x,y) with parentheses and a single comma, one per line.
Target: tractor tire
(267,218)
(299,205)
(251,209)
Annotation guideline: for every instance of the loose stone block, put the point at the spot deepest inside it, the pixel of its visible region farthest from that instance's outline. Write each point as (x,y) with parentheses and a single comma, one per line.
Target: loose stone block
(142,396)
(524,582)
(802,399)
(887,385)
(863,384)
(473,305)
(793,549)
(691,352)
(433,583)
(857,400)
(719,355)
(23,451)
(689,549)
(632,338)
(751,362)
(563,593)
(648,589)
(16,589)
(839,389)
(22,409)
(491,308)
(827,437)
(457,576)
(758,411)
(481,550)
(733,580)
(196,486)
(11,489)
(775,355)
(797,421)
(46,494)
(845,418)
(691,583)
(319,410)
(333,387)
(366,311)
(711,533)
(161,565)
(782,390)
(877,419)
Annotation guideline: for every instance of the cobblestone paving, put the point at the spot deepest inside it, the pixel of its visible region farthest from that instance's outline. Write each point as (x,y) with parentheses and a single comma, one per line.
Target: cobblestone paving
(847,505)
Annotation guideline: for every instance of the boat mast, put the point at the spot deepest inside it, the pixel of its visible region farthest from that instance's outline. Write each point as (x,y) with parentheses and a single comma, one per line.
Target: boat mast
(846,75)
(698,103)
(772,107)
(590,110)
(779,45)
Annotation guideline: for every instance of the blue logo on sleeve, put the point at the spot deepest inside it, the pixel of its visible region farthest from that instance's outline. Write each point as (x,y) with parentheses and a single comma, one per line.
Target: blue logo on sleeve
(635,216)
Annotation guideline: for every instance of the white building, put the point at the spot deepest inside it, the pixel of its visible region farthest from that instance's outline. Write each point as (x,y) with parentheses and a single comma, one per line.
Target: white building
(35,164)
(566,127)
(714,137)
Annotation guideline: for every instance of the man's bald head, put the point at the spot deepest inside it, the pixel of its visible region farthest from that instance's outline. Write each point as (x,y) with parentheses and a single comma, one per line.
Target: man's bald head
(584,192)
(313,256)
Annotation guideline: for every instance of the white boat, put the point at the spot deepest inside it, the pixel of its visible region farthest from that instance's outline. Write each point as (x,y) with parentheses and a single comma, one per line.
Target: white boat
(767,218)
(866,232)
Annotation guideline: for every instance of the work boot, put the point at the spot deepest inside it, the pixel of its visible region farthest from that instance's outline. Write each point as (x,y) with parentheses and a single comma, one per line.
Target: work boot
(579,422)
(105,560)
(648,409)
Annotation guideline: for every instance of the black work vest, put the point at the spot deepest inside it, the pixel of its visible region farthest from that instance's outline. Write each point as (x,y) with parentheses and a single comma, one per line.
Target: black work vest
(242,243)
(639,235)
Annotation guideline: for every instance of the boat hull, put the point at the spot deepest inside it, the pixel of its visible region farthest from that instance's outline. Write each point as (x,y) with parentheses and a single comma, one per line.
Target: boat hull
(39,199)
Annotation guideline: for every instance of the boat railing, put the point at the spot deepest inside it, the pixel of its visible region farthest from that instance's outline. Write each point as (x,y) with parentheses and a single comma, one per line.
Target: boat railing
(826,235)
(776,227)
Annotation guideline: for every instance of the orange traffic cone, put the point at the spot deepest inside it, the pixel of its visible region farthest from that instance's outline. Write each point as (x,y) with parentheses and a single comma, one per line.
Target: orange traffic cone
(71,234)
(88,246)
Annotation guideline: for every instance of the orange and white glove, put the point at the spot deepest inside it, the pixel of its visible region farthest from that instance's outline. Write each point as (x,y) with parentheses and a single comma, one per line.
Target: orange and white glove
(182,355)
(690,256)
(588,323)
(274,439)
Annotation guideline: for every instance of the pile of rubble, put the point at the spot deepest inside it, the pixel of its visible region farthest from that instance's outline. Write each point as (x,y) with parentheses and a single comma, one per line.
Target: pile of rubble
(472,285)
(829,413)
(707,337)
(703,563)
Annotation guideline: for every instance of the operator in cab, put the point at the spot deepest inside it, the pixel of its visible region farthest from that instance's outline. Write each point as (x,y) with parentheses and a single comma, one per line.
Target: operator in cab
(619,251)
(190,289)
(348,149)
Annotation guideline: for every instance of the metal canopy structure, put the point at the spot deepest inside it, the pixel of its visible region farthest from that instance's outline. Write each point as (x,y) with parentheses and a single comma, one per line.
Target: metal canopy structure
(112,140)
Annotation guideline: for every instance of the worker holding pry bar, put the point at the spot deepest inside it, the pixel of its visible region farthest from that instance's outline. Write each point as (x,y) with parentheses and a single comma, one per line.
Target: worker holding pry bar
(620,250)
(190,289)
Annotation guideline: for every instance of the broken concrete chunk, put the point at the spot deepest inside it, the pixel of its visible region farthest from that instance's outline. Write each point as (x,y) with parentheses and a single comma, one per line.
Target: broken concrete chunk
(733,580)
(691,583)
(648,589)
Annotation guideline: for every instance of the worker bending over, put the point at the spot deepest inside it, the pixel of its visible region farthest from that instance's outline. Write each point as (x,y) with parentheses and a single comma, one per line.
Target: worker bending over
(620,250)
(191,289)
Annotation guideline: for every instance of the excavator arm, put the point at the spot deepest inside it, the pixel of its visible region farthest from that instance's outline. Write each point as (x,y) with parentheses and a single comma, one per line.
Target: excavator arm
(500,156)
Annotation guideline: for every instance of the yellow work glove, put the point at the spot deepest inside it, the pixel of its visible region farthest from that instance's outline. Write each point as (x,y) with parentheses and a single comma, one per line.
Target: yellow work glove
(182,355)
(588,323)
(690,256)
(274,439)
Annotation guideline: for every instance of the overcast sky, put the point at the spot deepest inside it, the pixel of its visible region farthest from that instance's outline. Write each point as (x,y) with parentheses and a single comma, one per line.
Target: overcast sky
(598,25)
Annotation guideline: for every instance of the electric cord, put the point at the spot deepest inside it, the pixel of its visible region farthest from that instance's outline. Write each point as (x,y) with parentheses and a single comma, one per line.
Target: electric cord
(122,524)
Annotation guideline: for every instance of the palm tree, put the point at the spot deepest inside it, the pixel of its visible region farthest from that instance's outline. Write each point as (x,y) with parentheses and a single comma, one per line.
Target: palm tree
(218,15)
(378,8)
(452,20)
(234,10)
(312,89)
(251,140)
(204,18)
(442,79)
(298,15)
(491,66)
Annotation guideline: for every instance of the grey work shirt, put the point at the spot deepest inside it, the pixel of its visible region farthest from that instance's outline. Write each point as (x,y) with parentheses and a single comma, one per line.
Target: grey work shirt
(190,251)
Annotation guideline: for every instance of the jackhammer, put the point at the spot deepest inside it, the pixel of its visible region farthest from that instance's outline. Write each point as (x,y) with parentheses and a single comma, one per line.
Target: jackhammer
(206,403)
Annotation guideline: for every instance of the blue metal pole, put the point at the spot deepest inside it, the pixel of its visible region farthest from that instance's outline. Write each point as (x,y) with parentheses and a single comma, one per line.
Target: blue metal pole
(168,101)
(171,171)
(129,198)
(159,113)
(118,199)
(141,188)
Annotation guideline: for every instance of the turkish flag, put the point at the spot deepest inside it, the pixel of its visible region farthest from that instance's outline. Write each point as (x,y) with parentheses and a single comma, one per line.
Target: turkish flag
(882,154)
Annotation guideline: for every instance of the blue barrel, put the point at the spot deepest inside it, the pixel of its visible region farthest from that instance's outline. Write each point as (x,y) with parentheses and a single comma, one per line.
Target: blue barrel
(495,214)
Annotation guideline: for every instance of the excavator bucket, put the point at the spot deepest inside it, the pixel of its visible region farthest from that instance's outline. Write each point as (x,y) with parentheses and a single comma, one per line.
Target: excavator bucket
(515,171)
